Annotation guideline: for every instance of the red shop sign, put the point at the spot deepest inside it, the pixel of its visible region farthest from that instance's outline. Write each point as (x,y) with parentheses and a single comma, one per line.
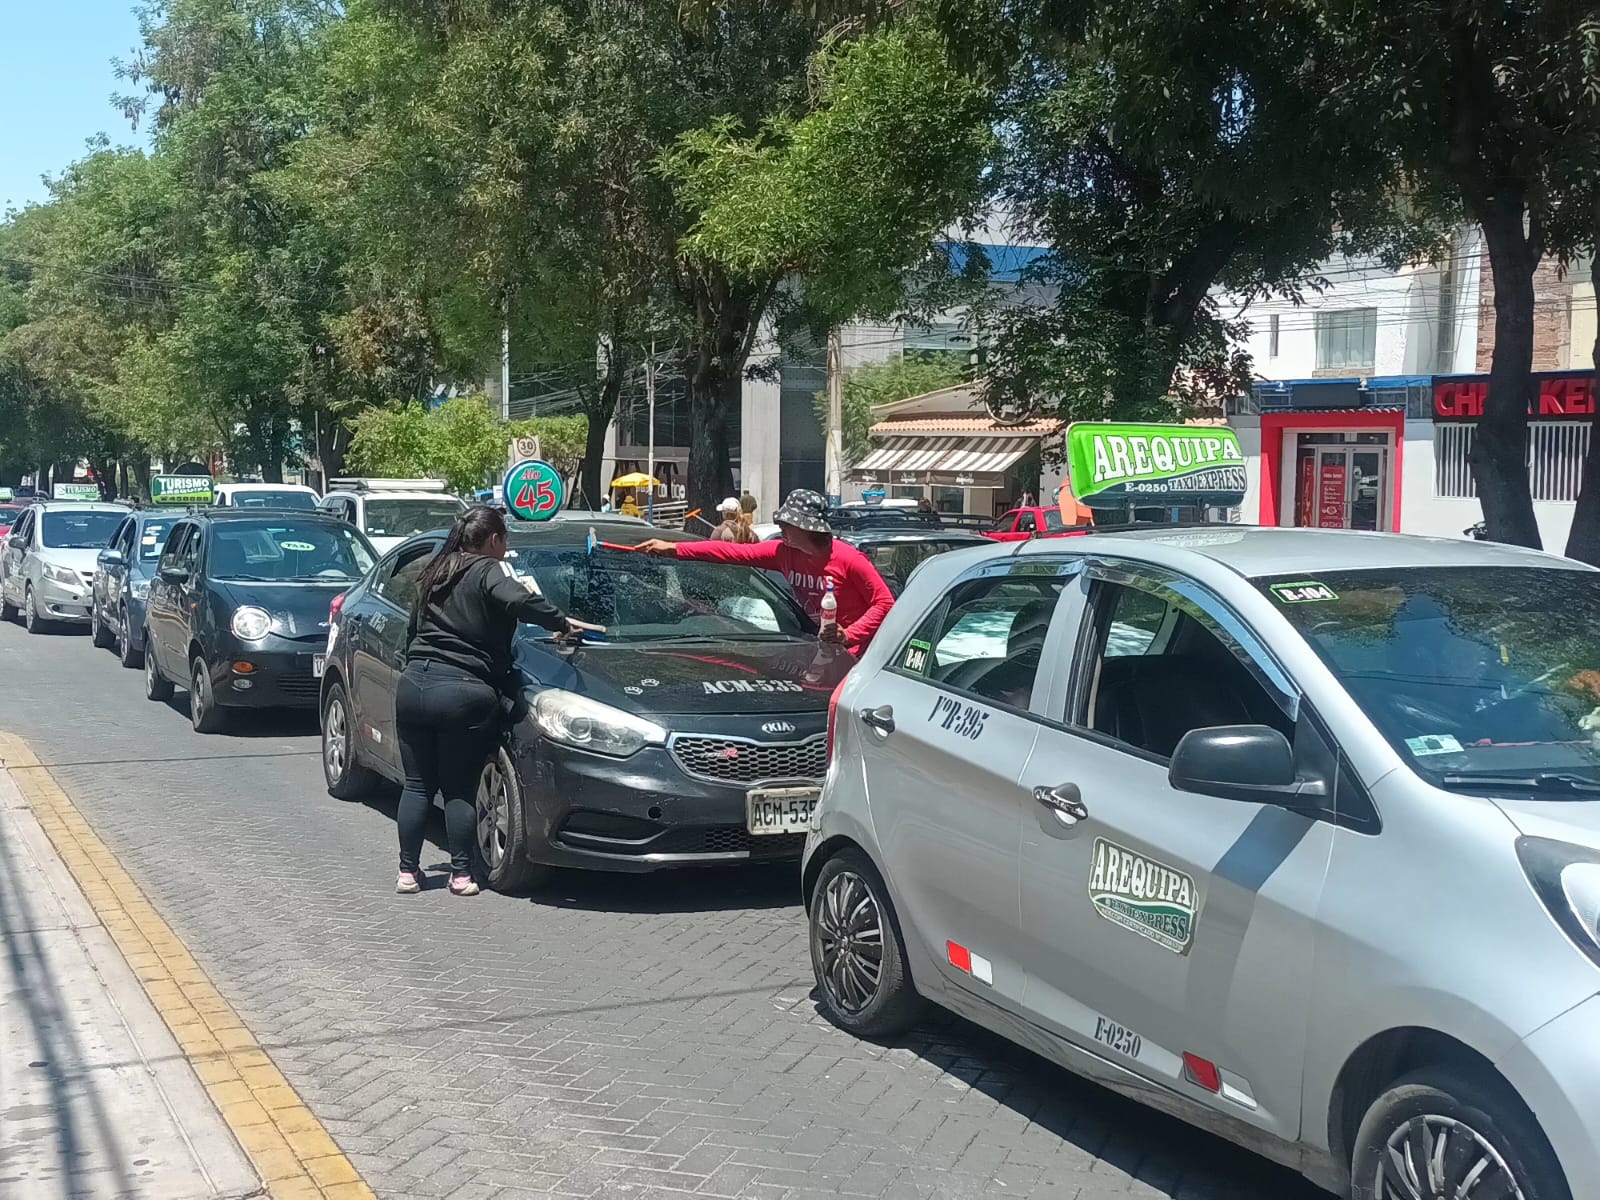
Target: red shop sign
(1562,396)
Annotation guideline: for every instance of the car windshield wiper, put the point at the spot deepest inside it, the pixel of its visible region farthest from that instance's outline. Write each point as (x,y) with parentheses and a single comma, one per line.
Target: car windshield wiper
(248,579)
(1537,781)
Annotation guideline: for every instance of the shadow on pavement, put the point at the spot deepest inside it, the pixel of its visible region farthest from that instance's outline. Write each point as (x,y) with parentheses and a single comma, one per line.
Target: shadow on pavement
(687,889)
(256,722)
(1098,1121)
(47,1012)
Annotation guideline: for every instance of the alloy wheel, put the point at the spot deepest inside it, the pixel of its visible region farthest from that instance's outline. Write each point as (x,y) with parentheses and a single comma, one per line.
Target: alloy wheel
(30,612)
(123,637)
(335,741)
(850,931)
(1433,1157)
(197,694)
(494,814)
(151,679)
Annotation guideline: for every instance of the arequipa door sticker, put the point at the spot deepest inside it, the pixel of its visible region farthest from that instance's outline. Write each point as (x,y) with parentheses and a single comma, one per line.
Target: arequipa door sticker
(1144,896)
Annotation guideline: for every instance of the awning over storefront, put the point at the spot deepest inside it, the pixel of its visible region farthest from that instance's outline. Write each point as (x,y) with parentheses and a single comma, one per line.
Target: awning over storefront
(948,437)
(931,457)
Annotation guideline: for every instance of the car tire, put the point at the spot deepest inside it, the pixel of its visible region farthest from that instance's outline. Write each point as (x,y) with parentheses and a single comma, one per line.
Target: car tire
(1489,1131)
(346,778)
(501,836)
(156,685)
(98,633)
(205,713)
(31,620)
(126,654)
(8,611)
(850,914)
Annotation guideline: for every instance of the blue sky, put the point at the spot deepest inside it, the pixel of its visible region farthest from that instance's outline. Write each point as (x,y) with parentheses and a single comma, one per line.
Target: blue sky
(56,82)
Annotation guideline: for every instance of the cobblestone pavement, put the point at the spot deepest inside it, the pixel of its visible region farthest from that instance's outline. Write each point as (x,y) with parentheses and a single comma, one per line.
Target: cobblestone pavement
(614,1037)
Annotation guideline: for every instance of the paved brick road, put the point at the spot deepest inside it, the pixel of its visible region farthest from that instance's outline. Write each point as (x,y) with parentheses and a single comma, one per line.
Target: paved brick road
(617,1037)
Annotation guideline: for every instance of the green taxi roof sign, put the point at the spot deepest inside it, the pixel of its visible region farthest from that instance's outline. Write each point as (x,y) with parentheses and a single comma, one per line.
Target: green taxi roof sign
(180,489)
(1166,466)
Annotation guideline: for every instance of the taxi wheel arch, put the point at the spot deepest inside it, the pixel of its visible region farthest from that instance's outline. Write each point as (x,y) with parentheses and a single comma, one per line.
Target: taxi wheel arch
(1471,1106)
(515,872)
(32,621)
(1391,1057)
(98,633)
(897,1005)
(208,716)
(8,610)
(127,654)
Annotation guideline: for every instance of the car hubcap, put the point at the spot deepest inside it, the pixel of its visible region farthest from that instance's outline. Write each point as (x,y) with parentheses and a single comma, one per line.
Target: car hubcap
(150,673)
(197,694)
(494,814)
(334,750)
(122,637)
(1438,1158)
(850,936)
(32,613)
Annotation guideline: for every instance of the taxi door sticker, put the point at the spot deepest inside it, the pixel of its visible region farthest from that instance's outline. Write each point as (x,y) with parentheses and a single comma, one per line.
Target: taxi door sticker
(1304,592)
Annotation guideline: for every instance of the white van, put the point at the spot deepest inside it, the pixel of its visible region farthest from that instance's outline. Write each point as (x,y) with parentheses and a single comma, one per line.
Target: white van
(264,495)
(389,511)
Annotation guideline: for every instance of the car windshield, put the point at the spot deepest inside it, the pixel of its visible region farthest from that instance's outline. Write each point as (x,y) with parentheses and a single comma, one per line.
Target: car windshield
(402,518)
(1053,520)
(65,529)
(153,539)
(1483,678)
(287,552)
(287,498)
(8,514)
(644,599)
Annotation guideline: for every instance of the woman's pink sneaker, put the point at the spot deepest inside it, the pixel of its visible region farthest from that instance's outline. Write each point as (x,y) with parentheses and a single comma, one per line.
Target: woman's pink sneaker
(463,885)
(410,882)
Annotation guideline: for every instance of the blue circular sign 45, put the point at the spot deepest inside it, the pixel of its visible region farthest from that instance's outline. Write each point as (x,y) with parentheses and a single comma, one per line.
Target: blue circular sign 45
(533,490)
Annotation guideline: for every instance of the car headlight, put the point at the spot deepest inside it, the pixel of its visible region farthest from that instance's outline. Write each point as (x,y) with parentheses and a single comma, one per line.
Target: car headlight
(140,589)
(251,624)
(64,575)
(1567,879)
(575,720)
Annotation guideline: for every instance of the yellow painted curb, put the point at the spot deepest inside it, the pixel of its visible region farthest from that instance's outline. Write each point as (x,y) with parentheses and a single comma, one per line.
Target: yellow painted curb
(287,1145)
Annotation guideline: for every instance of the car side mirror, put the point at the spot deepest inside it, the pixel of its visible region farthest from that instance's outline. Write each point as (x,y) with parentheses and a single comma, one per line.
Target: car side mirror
(111,558)
(1237,762)
(174,574)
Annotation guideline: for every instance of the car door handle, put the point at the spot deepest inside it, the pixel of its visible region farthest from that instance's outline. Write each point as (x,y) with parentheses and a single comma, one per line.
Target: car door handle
(880,718)
(1065,801)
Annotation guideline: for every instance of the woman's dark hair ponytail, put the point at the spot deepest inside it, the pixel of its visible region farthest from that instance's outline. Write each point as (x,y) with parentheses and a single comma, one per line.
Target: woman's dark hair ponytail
(473,530)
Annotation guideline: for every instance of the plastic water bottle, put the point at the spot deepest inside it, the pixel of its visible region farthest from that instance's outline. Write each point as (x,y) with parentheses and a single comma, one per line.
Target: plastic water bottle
(830,607)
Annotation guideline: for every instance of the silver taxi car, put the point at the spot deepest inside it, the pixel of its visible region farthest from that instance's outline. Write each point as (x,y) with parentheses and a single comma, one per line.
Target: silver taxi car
(48,561)
(1293,834)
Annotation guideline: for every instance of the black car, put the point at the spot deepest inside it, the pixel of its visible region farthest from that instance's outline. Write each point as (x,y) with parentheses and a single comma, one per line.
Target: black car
(897,552)
(693,731)
(239,605)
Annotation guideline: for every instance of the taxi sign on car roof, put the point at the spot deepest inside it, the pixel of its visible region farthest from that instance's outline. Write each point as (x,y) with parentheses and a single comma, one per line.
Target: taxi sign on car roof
(1167,466)
(180,489)
(75,491)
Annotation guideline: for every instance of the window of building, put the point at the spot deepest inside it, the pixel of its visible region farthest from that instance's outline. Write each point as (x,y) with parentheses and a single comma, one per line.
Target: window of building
(1272,337)
(1347,340)
(949,499)
(1556,451)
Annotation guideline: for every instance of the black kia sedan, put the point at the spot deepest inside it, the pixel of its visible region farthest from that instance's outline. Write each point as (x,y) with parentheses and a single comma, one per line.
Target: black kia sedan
(238,608)
(694,731)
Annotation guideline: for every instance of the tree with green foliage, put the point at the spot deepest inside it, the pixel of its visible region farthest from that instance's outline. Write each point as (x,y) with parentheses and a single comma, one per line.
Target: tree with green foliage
(869,387)
(1163,151)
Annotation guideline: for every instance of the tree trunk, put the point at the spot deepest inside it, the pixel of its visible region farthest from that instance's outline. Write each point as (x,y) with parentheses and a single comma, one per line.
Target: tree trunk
(1583,541)
(141,477)
(601,411)
(1500,449)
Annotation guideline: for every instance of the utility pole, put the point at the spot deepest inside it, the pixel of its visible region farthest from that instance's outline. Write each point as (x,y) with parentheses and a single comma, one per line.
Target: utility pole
(650,401)
(835,447)
(505,366)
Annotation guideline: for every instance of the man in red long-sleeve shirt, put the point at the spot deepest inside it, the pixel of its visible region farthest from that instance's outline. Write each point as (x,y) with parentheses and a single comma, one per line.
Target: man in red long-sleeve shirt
(807,556)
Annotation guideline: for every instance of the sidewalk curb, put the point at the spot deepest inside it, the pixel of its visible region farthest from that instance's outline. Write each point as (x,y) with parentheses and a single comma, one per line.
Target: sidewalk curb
(209,1045)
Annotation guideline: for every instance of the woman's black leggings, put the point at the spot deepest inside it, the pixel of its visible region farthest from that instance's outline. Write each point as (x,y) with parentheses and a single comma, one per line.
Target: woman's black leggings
(448,723)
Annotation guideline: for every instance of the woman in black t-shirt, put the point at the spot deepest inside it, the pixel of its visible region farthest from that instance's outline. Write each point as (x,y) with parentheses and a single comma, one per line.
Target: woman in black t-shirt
(458,666)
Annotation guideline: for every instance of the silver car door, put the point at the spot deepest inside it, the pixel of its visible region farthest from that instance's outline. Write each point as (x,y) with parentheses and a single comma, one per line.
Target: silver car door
(947,727)
(1170,933)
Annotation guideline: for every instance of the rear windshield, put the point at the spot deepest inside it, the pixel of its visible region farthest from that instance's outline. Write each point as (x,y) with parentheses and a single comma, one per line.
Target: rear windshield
(8,515)
(1468,672)
(896,560)
(402,518)
(287,498)
(287,552)
(649,599)
(87,530)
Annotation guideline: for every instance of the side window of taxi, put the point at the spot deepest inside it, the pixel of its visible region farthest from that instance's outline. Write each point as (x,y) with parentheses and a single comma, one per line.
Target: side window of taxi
(1159,665)
(985,638)
(172,556)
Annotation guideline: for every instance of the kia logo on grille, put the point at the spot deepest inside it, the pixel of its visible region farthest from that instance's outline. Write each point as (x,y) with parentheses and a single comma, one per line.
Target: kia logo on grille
(777,727)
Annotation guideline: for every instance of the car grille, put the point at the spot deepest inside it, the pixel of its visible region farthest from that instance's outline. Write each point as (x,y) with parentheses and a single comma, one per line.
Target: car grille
(736,760)
(302,686)
(728,839)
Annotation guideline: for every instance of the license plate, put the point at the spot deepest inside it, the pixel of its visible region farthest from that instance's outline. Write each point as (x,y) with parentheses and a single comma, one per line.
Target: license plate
(316,665)
(780,810)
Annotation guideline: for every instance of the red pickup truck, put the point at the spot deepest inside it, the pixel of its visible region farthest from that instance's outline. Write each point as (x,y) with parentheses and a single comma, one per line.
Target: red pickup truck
(1020,524)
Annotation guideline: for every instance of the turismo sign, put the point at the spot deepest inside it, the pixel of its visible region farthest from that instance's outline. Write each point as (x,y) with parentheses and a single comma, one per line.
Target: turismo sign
(1115,466)
(180,489)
